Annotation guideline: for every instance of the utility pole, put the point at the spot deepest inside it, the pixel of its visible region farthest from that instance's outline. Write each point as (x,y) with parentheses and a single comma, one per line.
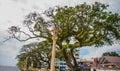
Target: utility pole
(54,38)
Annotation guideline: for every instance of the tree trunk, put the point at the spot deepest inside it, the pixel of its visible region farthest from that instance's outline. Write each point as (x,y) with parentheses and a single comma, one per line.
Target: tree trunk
(68,61)
(54,38)
(73,58)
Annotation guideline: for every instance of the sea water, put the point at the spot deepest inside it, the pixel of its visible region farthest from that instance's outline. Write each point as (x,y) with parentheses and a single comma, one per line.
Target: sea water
(8,68)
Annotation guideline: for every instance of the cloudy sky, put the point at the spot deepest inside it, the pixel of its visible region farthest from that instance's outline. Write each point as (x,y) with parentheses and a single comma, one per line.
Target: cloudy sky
(12,12)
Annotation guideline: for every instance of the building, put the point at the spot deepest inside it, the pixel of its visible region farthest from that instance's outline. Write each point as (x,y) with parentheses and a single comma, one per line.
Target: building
(109,62)
(60,64)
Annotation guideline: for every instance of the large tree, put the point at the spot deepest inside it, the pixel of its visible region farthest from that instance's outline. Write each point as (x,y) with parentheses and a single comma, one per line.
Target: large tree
(78,26)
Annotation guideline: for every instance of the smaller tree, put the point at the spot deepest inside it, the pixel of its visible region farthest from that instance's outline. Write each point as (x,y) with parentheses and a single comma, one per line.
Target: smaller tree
(36,54)
(110,54)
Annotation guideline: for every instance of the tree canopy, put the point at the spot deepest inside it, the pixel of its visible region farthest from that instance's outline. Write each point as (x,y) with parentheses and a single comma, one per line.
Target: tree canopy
(110,54)
(36,54)
(78,26)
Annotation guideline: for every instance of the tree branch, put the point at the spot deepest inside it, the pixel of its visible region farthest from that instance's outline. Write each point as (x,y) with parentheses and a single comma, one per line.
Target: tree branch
(23,39)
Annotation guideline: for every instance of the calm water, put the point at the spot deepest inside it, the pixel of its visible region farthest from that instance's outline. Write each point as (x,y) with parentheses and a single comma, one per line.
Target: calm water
(8,68)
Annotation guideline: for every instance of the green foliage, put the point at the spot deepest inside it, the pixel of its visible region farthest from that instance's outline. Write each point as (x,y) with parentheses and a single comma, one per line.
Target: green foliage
(20,64)
(36,54)
(88,24)
(110,54)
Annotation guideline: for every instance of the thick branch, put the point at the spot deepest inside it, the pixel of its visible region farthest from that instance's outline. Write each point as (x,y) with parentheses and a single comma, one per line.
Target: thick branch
(95,39)
(73,58)
(75,45)
(68,62)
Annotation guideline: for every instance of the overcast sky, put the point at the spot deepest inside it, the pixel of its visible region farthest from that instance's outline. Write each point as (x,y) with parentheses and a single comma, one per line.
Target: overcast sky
(12,12)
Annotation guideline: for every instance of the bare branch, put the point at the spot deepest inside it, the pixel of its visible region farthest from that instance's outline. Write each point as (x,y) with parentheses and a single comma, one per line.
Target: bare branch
(25,33)
(23,39)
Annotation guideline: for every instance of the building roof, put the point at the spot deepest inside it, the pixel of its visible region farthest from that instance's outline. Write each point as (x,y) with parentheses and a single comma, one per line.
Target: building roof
(108,60)
(113,59)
